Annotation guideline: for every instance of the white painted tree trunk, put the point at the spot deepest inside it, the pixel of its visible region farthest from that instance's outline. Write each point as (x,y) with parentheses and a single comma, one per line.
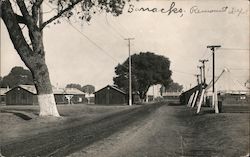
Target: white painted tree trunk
(47,105)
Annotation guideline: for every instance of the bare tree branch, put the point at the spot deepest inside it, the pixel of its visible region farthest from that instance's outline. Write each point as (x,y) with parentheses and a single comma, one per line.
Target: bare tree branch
(20,19)
(59,14)
(35,10)
(28,18)
(23,8)
(38,3)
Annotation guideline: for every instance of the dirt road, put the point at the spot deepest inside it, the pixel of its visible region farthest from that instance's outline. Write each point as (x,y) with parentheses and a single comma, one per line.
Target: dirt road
(177,131)
(68,140)
(155,130)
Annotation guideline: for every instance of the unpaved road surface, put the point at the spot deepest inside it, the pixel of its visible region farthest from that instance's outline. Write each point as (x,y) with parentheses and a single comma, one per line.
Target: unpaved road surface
(177,131)
(156,130)
(68,140)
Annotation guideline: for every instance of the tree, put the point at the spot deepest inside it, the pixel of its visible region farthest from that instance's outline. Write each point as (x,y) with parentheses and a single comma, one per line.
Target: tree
(30,47)
(17,76)
(147,69)
(88,89)
(73,85)
(172,87)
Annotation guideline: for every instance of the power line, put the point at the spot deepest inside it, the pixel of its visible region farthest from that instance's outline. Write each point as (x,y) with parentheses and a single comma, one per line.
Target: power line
(178,71)
(113,28)
(95,44)
(90,40)
(118,25)
(204,54)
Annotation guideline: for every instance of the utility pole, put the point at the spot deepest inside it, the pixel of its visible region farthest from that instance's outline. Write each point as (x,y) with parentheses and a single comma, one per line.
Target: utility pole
(130,80)
(212,47)
(203,66)
(200,67)
(197,76)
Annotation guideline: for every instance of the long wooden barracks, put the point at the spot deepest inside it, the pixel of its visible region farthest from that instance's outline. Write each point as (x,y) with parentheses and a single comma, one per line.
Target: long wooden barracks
(27,95)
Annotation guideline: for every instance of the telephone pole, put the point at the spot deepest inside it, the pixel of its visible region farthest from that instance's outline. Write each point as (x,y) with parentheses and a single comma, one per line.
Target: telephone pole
(200,67)
(212,47)
(130,80)
(197,77)
(203,66)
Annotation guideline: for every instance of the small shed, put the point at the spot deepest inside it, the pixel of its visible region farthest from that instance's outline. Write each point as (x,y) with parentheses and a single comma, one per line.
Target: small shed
(22,95)
(110,95)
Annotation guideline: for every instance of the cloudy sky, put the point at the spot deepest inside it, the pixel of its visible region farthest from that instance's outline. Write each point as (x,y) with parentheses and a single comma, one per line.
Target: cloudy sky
(84,53)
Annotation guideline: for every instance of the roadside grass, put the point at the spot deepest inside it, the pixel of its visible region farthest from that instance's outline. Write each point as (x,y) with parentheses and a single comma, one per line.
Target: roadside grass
(224,134)
(22,121)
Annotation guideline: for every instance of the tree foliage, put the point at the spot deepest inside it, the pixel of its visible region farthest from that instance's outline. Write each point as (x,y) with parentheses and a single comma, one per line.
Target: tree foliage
(88,89)
(74,85)
(147,69)
(17,76)
(172,87)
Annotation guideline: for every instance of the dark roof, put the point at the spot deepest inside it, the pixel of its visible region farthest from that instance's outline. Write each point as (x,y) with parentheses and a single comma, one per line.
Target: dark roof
(66,91)
(113,87)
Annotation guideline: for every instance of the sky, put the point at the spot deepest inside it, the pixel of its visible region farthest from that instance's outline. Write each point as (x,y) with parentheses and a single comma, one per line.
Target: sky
(87,53)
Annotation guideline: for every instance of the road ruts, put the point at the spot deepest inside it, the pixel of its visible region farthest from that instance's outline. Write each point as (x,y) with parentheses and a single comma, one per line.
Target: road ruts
(66,141)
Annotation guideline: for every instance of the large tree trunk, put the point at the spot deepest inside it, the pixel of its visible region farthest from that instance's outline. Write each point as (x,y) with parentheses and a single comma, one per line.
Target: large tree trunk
(33,58)
(43,85)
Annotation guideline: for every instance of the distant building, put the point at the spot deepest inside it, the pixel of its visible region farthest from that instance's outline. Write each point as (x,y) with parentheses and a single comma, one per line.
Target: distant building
(110,95)
(22,95)
(90,98)
(27,95)
(153,92)
(69,96)
(3,95)
(172,97)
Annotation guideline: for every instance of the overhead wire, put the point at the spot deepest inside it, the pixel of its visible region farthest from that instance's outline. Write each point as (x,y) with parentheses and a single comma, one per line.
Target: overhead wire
(120,35)
(89,39)
(118,25)
(178,71)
